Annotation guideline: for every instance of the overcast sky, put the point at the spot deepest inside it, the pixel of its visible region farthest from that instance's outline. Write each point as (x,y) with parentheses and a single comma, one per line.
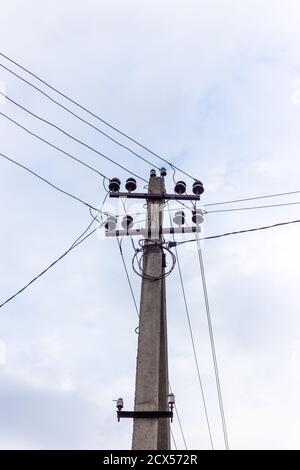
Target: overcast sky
(213,86)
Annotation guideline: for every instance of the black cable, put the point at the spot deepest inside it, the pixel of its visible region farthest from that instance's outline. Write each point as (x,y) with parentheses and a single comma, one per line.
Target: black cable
(92,114)
(137,311)
(173,439)
(212,343)
(180,426)
(94,217)
(138,314)
(77,242)
(193,341)
(80,118)
(251,198)
(128,278)
(72,137)
(53,146)
(280,224)
(148,245)
(49,182)
(235,209)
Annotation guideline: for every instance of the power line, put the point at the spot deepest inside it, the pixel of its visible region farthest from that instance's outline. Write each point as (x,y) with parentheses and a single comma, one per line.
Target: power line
(72,137)
(193,342)
(137,311)
(173,439)
(80,118)
(280,224)
(235,209)
(212,343)
(117,130)
(54,146)
(93,114)
(77,242)
(128,278)
(48,182)
(251,198)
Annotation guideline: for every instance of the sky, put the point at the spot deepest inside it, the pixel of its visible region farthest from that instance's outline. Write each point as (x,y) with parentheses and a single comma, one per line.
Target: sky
(213,87)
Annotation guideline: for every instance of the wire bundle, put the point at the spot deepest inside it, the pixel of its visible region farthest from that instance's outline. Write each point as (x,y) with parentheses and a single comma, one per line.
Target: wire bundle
(146,245)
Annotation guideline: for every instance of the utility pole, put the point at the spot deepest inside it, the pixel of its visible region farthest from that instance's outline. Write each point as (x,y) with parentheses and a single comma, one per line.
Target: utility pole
(151,389)
(153,406)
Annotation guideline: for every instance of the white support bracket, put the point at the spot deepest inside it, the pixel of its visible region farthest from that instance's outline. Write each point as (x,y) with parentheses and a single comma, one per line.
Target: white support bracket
(152,233)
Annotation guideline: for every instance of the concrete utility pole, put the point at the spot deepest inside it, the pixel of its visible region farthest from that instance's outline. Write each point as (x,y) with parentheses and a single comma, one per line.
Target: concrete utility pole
(151,389)
(153,407)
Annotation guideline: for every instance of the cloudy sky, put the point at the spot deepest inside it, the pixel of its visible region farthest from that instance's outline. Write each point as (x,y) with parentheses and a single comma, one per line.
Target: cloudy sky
(213,86)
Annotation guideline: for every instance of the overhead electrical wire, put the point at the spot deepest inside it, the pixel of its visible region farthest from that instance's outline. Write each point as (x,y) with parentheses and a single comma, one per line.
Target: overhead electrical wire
(48,182)
(169,209)
(54,146)
(236,209)
(46,121)
(179,421)
(280,224)
(147,245)
(138,314)
(80,118)
(89,112)
(116,129)
(212,343)
(193,342)
(76,243)
(94,115)
(80,239)
(128,278)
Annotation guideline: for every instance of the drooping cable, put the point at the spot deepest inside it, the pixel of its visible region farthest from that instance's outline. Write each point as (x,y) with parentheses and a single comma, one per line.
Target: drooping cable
(212,343)
(236,209)
(128,278)
(48,182)
(137,311)
(146,245)
(173,439)
(80,118)
(92,114)
(76,243)
(53,146)
(193,341)
(179,421)
(84,144)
